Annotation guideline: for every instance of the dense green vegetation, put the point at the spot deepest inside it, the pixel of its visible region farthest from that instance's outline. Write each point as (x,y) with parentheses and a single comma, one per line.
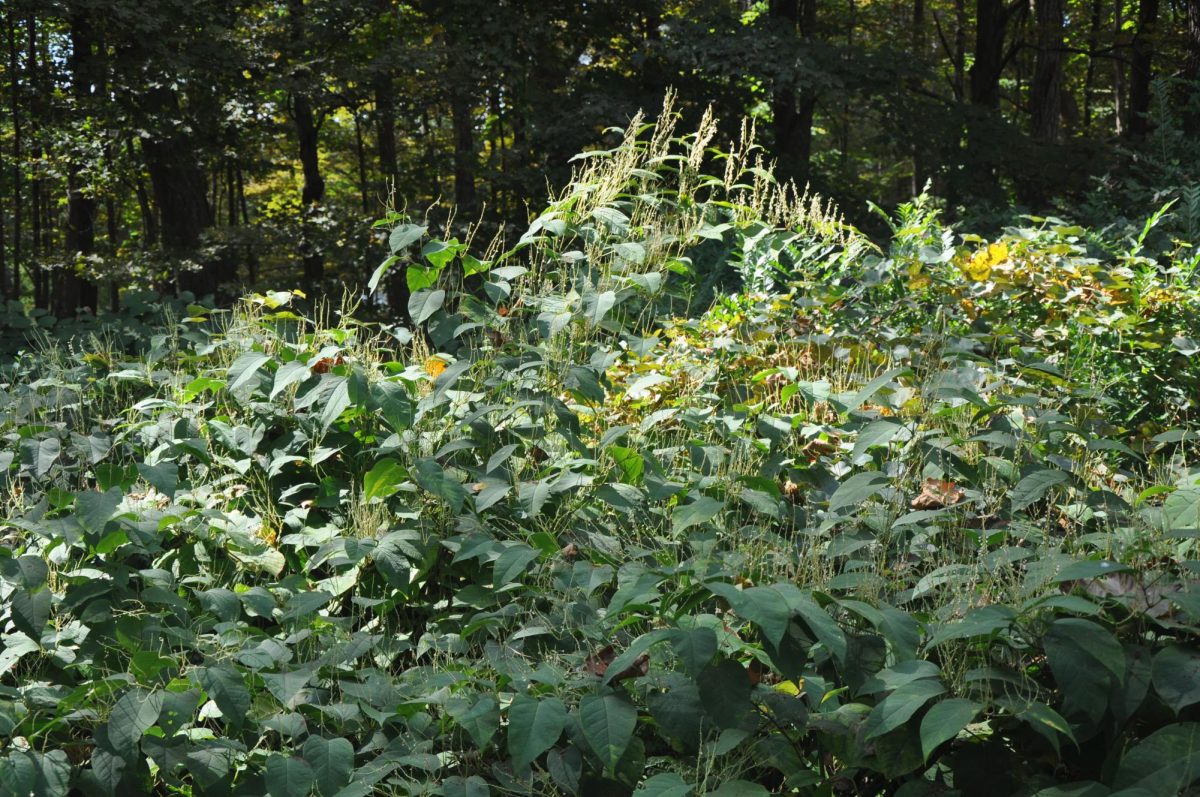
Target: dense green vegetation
(691,489)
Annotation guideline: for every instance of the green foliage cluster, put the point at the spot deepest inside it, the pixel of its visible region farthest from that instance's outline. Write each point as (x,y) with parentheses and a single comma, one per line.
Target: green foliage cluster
(691,491)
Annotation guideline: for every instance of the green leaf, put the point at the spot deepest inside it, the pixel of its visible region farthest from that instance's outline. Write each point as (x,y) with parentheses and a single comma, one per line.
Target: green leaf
(245,368)
(597,305)
(631,463)
(1072,643)
(1175,674)
(440,253)
(875,385)
(288,777)
(458,786)
(762,606)
(26,571)
(738,788)
(700,510)
(94,509)
(694,647)
(132,715)
(608,721)
(898,707)
(668,784)
(944,721)
(878,433)
(480,719)
(857,489)
(336,403)
(424,303)
(433,478)
(534,725)
(380,270)
(511,563)
(1034,487)
(983,621)
(331,760)
(30,611)
(1166,762)
(290,373)
(404,236)
(383,480)
(39,456)
(225,687)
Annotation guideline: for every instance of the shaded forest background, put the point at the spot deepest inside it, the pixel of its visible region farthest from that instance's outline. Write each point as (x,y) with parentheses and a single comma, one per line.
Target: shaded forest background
(208,146)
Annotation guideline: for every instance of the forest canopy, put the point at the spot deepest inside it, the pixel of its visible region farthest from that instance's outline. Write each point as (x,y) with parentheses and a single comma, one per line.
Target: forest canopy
(206,146)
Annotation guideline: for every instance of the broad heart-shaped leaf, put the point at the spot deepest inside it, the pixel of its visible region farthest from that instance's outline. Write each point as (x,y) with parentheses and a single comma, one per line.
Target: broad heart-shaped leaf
(94,509)
(944,721)
(511,563)
(668,784)
(26,571)
(245,368)
(534,725)
(380,270)
(458,786)
(132,716)
(226,688)
(1034,487)
(479,718)
(423,304)
(433,478)
(1166,762)
(607,721)
(694,647)
(30,610)
(700,509)
(383,480)
(288,777)
(898,707)
(1176,677)
(1181,510)
(331,760)
(39,456)
(857,489)
(597,305)
(336,402)
(1073,643)
(404,236)
(762,606)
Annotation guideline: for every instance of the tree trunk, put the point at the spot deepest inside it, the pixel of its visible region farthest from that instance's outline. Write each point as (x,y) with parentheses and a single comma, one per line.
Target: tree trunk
(73,291)
(385,133)
(991,22)
(312,193)
(14,105)
(149,221)
(1142,69)
(791,108)
(464,151)
(1191,71)
(1046,94)
(1090,76)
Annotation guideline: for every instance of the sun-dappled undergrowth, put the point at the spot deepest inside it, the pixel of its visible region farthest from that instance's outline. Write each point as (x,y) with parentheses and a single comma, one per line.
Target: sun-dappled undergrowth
(691,490)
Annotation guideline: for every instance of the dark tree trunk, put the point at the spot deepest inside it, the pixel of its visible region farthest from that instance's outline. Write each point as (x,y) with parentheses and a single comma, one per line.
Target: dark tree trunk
(1191,71)
(464,152)
(149,221)
(793,107)
(15,107)
(1142,69)
(991,23)
(1046,94)
(385,133)
(364,189)
(73,291)
(1090,76)
(312,193)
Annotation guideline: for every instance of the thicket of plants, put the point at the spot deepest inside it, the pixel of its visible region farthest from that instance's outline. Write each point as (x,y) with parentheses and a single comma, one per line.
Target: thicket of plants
(693,490)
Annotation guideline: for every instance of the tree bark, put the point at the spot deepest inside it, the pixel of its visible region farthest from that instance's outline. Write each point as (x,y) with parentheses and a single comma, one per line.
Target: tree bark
(73,291)
(464,151)
(991,23)
(312,194)
(385,132)
(1142,68)
(1191,71)
(18,154)
(1090,76)
(793,107)
(1046,93)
